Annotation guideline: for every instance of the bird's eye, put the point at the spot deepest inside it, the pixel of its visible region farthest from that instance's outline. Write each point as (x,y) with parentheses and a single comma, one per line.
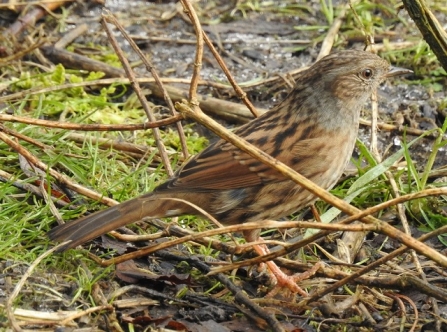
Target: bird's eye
(366,73)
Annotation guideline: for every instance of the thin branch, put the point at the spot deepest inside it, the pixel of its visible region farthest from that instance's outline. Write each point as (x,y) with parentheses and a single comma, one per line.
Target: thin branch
(136,87)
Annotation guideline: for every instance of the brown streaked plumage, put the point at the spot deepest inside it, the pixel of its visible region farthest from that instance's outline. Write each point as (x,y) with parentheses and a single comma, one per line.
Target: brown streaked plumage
(313,131)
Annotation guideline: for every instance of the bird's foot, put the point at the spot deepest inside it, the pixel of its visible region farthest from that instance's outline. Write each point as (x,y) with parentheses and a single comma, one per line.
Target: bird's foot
(282,280)
(290,282)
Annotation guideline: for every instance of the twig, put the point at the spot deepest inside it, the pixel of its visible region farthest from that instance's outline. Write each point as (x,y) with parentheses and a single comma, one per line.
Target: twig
(29,19)
(58,176)
(88,311)
(360,215)
(21,136)
(6,177)
(189,9)
(390,127)
(373,138)
(150,67)
(236,228)
(390,282)
(104,81)
(116,144)
(290,224)
(239,295)
(320,293)
(91,127)
(241,93)
(430,28)
(246,41)
(136,87)
(398,298)
(71,35)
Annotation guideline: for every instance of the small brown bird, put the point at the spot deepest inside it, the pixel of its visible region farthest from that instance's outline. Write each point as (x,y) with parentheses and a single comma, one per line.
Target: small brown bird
(313,131)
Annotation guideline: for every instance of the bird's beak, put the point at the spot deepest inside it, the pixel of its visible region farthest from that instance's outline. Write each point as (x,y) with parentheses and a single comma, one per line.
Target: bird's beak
(396,71)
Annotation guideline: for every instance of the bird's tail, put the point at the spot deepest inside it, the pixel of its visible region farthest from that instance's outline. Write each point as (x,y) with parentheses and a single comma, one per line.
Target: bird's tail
(101,222)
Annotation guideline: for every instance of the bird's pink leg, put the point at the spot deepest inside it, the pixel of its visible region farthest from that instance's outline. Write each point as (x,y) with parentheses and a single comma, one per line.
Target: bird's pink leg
(283,280)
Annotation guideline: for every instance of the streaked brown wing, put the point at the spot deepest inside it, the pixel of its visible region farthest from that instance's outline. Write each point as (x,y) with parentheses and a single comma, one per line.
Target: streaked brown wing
(219,167)
(223,166)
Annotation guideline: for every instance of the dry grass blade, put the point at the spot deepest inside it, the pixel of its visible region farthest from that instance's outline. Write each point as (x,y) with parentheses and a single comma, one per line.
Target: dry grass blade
(12,297)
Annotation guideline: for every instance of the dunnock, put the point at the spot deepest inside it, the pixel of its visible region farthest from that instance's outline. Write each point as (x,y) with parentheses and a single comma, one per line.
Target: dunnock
(313,131)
